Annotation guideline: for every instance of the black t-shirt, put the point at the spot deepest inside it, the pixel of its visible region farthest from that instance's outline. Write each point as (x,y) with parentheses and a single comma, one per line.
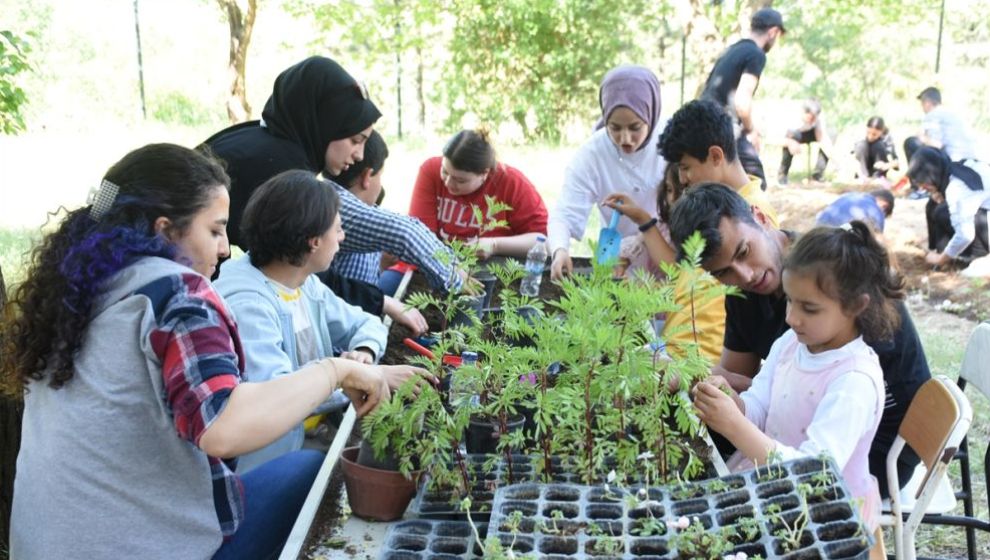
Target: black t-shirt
(754,323)
(744,57)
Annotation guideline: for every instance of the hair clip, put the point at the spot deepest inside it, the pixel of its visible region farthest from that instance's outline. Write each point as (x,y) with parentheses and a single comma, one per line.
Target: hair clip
(101,199)
(847,226)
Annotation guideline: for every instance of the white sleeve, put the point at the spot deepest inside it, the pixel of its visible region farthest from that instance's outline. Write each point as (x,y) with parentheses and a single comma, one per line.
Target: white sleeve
(757,397)
(963,206)
(578,196)
(845,413)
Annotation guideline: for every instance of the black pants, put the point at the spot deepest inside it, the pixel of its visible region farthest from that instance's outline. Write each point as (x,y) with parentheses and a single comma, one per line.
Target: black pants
(868,154)
(801,137)
(750,159)
(940,230)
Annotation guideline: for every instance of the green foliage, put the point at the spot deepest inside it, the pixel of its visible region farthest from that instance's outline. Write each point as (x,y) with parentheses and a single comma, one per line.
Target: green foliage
(14,51)
(175,107)
(535,63)
(855,77)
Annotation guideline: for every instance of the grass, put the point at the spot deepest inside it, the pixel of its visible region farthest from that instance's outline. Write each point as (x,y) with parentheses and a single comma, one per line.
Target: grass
(14,246)
(945,352)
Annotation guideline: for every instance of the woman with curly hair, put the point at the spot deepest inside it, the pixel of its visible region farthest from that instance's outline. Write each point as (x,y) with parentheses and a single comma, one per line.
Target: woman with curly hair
(132,375)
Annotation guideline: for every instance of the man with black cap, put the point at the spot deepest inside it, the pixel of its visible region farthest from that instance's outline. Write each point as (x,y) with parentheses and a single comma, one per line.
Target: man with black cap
(734,78)
(318,118)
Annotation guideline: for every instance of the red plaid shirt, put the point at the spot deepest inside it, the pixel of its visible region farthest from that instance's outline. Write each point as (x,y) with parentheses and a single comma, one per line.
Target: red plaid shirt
(196,340)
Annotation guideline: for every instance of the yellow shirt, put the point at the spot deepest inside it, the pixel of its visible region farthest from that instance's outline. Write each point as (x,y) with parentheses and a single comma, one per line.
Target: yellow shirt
(709,317)
(756,196)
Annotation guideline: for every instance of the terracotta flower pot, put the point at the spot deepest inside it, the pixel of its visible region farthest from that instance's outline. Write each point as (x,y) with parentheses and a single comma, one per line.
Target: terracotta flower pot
(374,494)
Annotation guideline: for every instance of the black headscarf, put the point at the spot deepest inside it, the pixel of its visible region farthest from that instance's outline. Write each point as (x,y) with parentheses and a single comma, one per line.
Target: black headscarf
(316,102)
(931,166)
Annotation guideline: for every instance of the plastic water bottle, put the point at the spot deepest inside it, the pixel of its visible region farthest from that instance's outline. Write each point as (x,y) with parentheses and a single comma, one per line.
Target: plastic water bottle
(461,391)
(536,259)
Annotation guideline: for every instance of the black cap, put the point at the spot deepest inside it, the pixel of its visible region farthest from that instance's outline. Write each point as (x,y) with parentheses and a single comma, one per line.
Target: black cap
(765,18)
(931,94)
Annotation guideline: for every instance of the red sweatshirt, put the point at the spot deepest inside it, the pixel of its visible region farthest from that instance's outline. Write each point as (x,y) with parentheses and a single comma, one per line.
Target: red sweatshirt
(451,216)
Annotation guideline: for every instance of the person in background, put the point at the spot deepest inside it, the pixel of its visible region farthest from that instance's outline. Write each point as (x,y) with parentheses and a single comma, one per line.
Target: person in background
(812,129)
(733,81)
(318,118)
(287,317)
(450,187)
(872,208)
(820,389)
(364,180)
(957,207)
(875,153)
(131,368)
(742,249)
(620,157)
(942,129)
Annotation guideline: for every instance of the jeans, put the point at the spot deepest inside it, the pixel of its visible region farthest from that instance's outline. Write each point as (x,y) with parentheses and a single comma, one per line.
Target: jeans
(273,495)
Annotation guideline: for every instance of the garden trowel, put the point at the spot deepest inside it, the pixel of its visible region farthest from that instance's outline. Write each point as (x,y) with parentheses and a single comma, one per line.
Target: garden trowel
(609,240)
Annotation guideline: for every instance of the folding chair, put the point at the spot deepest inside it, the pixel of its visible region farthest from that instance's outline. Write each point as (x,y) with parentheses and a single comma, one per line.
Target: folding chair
(934,426)
(975,371)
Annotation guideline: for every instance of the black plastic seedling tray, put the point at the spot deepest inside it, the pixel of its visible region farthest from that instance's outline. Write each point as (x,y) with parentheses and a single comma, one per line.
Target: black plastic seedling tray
(573,521)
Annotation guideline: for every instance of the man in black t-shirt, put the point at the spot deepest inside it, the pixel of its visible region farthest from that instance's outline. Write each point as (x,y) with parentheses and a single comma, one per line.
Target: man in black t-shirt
(742,249)
(734,78)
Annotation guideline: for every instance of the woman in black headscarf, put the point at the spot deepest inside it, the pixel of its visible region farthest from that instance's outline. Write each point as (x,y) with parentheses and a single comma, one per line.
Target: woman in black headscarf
(957,208)
(318,119)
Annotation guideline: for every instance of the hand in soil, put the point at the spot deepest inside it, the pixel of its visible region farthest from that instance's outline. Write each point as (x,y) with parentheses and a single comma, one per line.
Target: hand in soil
(561,265)
(413,320)
(470,286)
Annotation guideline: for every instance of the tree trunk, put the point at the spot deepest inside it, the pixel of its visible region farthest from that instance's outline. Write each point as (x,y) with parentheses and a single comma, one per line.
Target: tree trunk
(420,96)
(241,25)
(11,411)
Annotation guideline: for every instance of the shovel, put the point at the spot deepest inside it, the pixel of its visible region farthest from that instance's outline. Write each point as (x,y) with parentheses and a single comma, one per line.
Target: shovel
(609,240)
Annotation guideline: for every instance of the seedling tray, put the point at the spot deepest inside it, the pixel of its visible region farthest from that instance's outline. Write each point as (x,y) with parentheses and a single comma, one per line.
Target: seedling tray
(425,539)
(487,473)
(597,521)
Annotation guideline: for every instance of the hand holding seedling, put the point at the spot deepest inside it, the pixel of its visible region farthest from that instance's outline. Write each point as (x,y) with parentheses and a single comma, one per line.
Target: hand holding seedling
(623,204)
(715,407)
(363,384)
(395,376)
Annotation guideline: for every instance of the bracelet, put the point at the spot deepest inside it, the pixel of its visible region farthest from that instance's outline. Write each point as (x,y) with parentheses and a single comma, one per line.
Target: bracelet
(646,226)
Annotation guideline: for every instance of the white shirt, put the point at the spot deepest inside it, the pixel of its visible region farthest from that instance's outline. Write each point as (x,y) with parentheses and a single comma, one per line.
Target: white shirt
(946,127)
(963,205)
(838,423)
(598,169)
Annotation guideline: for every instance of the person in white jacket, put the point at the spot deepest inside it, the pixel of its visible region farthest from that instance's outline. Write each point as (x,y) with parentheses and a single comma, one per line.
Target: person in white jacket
(286,317)
(957,209)
(621,156)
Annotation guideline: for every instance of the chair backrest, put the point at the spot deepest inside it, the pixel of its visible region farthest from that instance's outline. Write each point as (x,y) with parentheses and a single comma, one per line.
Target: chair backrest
(936,422)
(976,362)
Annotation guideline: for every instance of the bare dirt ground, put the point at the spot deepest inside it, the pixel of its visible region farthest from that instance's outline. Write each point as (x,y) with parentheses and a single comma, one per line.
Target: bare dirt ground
(905,232)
